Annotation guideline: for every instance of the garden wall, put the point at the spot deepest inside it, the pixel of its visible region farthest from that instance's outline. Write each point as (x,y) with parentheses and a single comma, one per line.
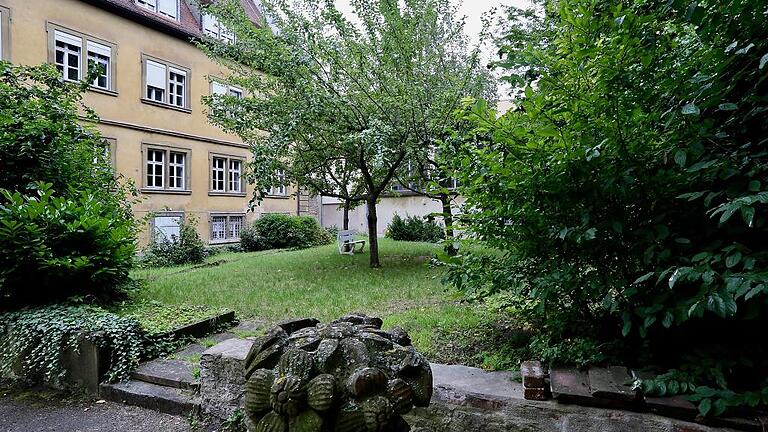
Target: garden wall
(465,400)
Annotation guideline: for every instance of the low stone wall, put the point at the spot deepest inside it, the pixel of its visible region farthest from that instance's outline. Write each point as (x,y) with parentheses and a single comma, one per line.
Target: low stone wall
(465,400)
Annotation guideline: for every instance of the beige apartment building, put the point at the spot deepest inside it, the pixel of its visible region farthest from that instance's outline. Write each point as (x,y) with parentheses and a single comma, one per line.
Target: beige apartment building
(149,103)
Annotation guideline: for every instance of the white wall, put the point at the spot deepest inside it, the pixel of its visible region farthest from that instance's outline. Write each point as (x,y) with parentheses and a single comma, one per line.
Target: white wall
(385,209)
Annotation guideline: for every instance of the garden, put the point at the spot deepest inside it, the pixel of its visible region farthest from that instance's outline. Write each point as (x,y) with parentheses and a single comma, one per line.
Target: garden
(615,215)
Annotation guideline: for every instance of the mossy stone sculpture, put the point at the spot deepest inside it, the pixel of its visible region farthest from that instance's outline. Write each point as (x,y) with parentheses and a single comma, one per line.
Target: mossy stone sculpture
(346,376)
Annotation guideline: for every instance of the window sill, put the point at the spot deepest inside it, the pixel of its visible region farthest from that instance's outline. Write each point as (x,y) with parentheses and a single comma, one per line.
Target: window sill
(227,194)
(165,105)
(223,242)
(285,197)
(103,91)
(166,191)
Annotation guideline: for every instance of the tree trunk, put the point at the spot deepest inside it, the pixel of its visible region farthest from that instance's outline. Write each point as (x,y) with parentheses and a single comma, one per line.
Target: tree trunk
(450,249)
(347,205)
(373,235)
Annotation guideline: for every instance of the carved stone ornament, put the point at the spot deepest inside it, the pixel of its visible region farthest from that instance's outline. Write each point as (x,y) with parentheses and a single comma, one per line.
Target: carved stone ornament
(346,376)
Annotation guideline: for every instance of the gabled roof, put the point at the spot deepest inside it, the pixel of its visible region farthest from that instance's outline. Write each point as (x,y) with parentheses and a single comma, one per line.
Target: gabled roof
(188,26)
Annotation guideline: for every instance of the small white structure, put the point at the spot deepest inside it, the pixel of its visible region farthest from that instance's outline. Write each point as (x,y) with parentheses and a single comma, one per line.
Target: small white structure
(348,244)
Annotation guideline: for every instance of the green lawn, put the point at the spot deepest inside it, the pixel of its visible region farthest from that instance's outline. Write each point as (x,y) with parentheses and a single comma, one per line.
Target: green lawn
(274,285)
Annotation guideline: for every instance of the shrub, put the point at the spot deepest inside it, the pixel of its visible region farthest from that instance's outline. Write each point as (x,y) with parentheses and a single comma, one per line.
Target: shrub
(284,231)
(414,228)
(187,248)
(73,245)
(251,241)
(633,215)
(66,226)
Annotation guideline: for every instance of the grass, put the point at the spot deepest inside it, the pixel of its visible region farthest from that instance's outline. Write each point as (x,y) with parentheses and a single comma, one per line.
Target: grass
(156,317)
(275,285)
(318,282)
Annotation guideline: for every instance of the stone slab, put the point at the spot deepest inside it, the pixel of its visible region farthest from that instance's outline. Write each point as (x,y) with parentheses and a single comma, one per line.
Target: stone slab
(203,327)
(613,382)
(159,398)
(465,400)
(473,380)
(169,373)
(533,374)
(222,377)
(570,386)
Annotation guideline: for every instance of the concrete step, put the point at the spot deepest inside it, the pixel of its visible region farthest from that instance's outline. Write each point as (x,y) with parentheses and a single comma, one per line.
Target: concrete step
(169,373)
(152,396)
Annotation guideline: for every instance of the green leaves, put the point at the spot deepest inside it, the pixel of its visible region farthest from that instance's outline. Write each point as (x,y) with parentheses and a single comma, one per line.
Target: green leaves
(690,109)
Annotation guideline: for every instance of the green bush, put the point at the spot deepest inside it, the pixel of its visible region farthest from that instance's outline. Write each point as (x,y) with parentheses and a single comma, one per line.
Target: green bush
(55,247)
(66,227)
(187,248)
(627,191)
(251,241)
(414,228)
(284,231)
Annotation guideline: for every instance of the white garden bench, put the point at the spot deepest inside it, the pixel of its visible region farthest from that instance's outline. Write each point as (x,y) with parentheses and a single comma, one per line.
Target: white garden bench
(348,244)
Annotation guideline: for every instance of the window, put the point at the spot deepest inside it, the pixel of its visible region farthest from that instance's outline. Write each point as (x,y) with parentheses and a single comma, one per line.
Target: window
(106,153)
(75,55)
(98,59)
(221,89)
(5,33)
(227,175)
(177,84)
(226,227)
(68,50)
(155,168)
(176,170)
(212,27)
(166,84)
(169,8)
(166,226)
(235,178)
(166,169)
(281,190)
(217,173)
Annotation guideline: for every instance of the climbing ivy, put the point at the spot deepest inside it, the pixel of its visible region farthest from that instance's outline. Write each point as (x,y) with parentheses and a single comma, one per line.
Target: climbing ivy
(32,340)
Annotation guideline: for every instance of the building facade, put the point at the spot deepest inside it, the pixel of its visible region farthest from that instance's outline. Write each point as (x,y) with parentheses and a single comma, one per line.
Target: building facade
(148,98)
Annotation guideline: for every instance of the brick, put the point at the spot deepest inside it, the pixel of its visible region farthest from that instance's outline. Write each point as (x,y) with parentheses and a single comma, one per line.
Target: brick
(533,374)
(537,394)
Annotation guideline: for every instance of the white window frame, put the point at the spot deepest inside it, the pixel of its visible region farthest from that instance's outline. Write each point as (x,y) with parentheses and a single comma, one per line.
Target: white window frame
(89,49)
(235,176)
(150,5)
(72,46)
(219,88)
(97,53)
(281,190)
(224,178)
(226,227)
(157,6)
(175,96)
(174,162)
(152,166)
(218,174)
(5,33)
(212,27)
(152,70)
(177,168)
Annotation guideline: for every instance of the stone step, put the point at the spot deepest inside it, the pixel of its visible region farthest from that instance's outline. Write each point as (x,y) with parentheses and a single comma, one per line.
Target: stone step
(152,396)
(169,373)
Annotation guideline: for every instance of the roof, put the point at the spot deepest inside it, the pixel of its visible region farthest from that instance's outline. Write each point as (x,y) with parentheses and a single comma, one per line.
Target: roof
(188,26)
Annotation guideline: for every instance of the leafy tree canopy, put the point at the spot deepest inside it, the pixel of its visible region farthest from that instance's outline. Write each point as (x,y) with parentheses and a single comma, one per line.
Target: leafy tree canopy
(339,103)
